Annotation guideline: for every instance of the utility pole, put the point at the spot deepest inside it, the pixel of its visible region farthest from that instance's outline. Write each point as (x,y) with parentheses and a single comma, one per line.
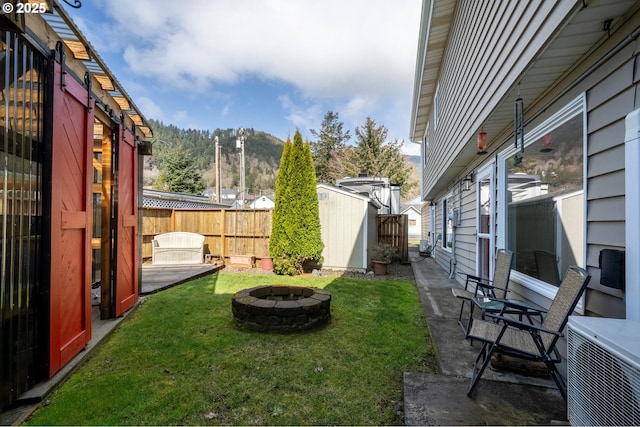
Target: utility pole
(218,174)
(240,144)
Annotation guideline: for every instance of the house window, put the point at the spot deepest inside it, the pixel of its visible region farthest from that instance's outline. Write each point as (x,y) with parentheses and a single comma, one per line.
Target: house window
(412,223)
(544,200)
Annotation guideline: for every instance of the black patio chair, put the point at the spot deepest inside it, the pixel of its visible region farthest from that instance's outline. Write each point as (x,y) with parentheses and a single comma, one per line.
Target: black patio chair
(478,287)
(524,340)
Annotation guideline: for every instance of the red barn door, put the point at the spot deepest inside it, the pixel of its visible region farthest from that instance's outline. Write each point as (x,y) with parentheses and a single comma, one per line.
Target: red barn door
(126,193)
(71,218)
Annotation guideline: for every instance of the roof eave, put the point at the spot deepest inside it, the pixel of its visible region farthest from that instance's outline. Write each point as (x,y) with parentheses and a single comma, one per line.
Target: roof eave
(436,14)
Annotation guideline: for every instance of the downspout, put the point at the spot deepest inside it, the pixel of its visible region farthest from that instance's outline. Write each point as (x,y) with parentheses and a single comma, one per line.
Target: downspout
(452,260)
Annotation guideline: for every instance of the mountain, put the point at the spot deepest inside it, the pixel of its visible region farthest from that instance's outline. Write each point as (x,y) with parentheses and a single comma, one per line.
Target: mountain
(262,155)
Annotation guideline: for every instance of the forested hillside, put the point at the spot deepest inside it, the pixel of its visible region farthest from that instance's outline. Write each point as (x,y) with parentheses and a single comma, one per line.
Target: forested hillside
(262,155)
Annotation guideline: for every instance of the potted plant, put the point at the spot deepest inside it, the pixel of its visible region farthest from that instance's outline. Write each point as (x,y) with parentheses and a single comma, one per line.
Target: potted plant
(382,255)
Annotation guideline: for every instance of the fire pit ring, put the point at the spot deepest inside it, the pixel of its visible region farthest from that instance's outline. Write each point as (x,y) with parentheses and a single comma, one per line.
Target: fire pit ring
(281,308)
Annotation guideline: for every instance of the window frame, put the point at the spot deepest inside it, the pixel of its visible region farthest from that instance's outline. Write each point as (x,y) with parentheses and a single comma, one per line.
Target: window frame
(571,110)
(445,218)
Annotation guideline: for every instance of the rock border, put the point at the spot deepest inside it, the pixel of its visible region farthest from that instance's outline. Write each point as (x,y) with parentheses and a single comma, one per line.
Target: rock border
(281,308)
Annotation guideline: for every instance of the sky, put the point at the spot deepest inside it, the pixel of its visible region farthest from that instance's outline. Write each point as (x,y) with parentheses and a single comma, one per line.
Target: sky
(272,65)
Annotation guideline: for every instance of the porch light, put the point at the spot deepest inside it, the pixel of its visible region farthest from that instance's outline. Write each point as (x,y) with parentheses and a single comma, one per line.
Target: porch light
(482,142)
(467,181)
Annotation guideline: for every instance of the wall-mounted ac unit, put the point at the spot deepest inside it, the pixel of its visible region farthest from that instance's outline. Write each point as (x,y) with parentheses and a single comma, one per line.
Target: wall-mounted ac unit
(603,371)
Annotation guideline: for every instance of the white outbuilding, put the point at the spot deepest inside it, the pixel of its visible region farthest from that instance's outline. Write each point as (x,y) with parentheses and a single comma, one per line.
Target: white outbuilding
(348,227)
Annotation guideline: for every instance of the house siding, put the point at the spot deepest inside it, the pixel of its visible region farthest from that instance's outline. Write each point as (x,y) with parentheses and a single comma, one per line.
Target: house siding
(478,68)
(608,102)
(611,93)
(425,222)
(465,234)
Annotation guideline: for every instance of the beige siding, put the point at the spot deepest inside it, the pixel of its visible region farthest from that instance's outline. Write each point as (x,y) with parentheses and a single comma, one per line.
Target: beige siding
(425,218)
(608,102)
(345,227)
(479,67)
(610,97)
(464,251)
(489,48)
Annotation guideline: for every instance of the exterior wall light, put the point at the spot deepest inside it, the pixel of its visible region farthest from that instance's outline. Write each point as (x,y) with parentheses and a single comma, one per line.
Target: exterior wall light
(467,181)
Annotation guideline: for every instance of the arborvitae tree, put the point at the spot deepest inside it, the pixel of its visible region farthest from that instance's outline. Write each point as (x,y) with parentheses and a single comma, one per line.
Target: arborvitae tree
(178,173)
(279,241)
(299,239)
(375,156)
(328,148)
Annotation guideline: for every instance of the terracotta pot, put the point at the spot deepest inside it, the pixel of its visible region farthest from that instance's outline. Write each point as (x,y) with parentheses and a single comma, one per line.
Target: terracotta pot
(267,263)
(380,268)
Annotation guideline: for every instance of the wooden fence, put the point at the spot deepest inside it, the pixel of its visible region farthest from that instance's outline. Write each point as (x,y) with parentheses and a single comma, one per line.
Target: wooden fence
(394,230)
(226,231)
(245,232)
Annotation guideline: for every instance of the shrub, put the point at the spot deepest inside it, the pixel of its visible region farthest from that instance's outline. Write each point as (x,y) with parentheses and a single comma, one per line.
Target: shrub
(295,236)
(383,252)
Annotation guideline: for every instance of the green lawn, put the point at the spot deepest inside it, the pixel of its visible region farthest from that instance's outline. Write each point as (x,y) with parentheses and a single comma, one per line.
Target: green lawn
(180,360)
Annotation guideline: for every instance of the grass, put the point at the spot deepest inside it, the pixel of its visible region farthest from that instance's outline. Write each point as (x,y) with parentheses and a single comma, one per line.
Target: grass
(180,360)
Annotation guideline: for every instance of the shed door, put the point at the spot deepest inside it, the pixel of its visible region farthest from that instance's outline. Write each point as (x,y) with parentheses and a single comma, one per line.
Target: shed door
(71,152)
(126,195)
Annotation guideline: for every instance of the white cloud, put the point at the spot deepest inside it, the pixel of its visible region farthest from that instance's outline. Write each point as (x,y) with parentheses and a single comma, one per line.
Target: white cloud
(303,117)
(354,57)
(410,148)
(325,48)
(150,108)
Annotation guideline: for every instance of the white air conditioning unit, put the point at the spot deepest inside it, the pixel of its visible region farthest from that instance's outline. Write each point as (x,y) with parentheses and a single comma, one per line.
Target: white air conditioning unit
(603,371)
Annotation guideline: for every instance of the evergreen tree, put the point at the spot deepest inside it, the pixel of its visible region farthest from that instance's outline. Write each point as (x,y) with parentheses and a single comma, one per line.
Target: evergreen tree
(278,242)
(329,148)
(178,173)
(375,156)
(297,239)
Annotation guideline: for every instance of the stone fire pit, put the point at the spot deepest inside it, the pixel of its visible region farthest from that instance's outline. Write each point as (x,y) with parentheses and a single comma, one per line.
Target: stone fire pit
(281,308)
